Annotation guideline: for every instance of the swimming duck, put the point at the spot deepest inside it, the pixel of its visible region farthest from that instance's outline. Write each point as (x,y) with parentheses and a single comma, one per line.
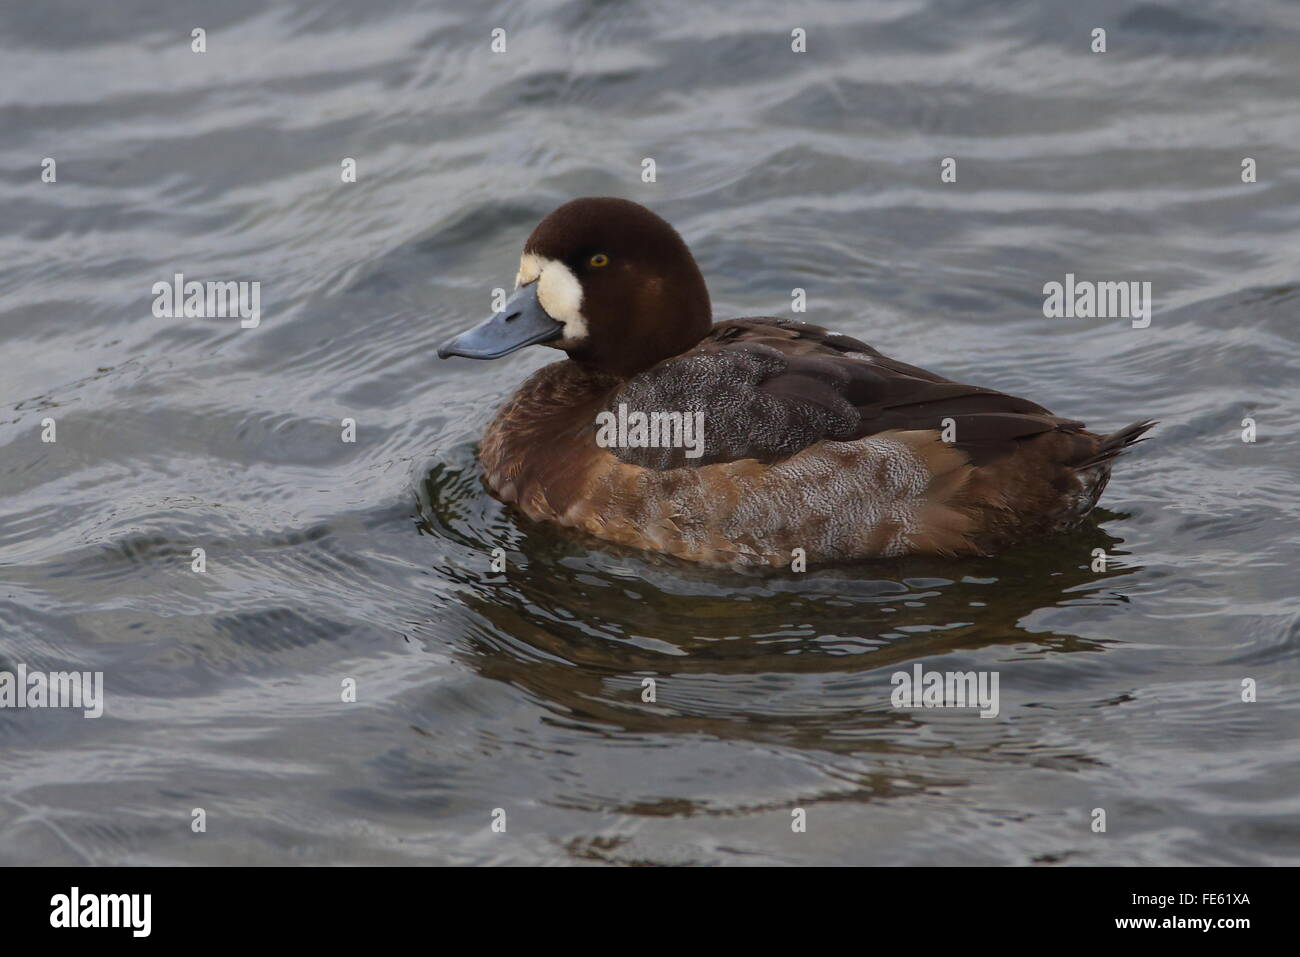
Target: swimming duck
(811,440)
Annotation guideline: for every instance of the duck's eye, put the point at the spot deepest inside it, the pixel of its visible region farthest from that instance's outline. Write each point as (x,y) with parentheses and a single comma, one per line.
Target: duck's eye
(598,260)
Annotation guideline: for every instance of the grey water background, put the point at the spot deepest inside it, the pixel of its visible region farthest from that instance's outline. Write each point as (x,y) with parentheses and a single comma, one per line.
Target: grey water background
(522,690)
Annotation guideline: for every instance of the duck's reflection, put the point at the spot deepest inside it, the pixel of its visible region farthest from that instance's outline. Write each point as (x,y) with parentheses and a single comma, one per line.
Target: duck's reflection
(804,659)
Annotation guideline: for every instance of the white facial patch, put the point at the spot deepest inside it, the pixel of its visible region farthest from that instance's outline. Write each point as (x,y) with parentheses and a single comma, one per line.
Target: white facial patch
(560,294)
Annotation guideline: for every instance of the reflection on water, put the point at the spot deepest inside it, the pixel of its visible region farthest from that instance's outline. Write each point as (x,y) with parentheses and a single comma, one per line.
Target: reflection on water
(803,659)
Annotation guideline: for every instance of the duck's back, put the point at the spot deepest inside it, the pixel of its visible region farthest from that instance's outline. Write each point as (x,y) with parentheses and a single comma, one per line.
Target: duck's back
(811,440)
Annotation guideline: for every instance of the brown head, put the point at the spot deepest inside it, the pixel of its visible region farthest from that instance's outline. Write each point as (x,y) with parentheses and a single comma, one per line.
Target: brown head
(606,281)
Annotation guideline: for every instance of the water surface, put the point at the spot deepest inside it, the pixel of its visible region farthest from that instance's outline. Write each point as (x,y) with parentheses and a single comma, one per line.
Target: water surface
(521,690)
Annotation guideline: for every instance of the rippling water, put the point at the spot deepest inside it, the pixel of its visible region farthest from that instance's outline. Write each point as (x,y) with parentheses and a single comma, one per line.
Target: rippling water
(521,690)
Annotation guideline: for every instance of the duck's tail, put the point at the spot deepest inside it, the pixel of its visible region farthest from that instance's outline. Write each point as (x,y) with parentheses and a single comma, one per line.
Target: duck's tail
(1117,443)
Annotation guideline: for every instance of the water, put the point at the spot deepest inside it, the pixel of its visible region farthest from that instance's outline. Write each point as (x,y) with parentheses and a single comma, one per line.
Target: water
(329,561)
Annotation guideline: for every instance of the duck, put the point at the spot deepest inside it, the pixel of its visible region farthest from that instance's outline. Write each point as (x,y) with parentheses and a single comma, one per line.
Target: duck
(805,446)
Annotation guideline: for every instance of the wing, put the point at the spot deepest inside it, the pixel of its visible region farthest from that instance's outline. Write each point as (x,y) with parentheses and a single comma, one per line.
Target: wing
(770,388)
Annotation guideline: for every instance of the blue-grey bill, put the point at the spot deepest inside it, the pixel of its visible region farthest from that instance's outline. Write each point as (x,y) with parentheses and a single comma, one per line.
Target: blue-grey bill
(523,322)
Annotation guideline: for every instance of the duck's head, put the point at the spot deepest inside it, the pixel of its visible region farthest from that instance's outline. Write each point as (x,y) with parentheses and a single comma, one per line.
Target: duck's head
(606,281)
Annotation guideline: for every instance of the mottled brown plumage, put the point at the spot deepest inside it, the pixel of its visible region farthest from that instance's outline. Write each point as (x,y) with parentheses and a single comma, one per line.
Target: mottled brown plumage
(812,440)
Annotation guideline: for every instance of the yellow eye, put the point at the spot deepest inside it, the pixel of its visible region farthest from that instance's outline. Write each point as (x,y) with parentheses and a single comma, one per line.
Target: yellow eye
(598,260)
